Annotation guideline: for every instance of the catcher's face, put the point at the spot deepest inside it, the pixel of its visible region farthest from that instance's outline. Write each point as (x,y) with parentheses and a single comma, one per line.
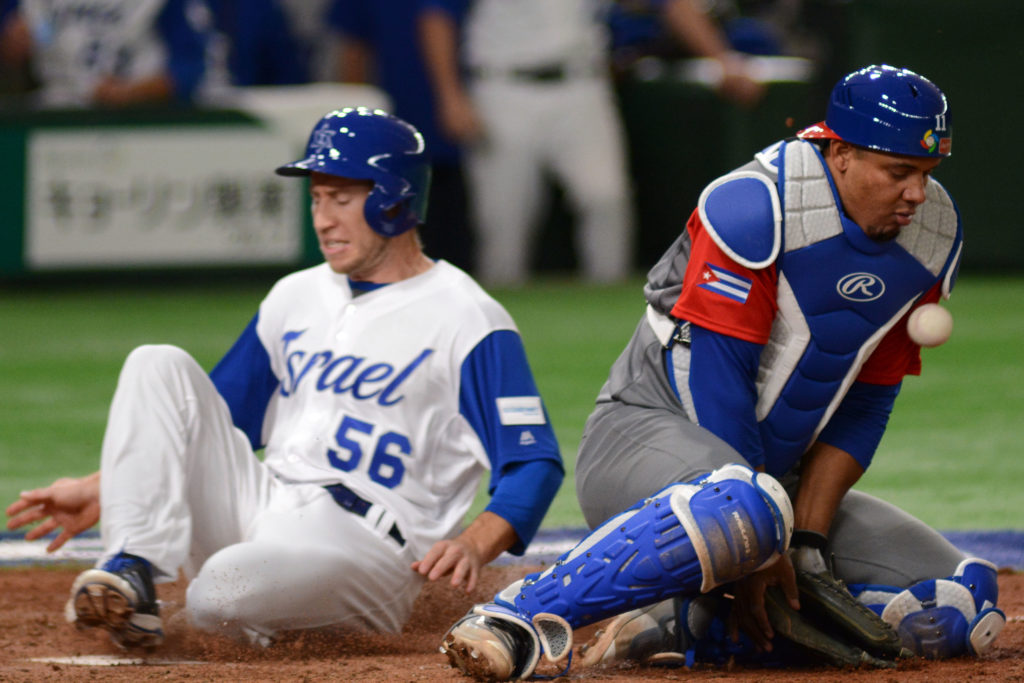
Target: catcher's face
(346,240)
(880,192)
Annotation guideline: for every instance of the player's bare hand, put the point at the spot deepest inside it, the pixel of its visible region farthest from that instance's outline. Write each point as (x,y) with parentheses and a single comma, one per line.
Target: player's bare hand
(15,40)
(748,612)
(737,85)
(742,90)
(71,505)
(460,120)
(455,557)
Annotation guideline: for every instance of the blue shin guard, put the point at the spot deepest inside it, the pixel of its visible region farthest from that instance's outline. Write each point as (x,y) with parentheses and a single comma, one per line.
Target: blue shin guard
(684,540)
(942,618)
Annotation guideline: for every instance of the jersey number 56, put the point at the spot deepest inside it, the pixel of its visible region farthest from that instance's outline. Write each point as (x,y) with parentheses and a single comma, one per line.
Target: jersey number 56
(386,467)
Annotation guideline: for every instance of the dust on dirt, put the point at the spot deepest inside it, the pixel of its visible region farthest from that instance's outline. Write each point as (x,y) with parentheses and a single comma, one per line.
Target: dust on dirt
(32,628)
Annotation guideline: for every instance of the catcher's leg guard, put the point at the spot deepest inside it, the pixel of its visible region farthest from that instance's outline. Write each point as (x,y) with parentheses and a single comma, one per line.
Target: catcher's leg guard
(942,618)
(684,540)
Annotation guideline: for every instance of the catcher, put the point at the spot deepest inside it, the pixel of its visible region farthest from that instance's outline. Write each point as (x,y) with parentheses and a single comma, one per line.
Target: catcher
(761,379)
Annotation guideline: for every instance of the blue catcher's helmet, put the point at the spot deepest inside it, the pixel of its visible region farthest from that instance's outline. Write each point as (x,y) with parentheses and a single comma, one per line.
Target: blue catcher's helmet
(370,144)
(888,109)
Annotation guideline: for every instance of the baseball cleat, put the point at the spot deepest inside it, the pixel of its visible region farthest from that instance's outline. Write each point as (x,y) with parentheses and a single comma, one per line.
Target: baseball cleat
(120,598)
(643,635)
(484,648)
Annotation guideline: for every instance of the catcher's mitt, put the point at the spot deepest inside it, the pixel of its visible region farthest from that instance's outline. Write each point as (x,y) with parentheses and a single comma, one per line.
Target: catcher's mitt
(796,628)
(826,600)
(831,622)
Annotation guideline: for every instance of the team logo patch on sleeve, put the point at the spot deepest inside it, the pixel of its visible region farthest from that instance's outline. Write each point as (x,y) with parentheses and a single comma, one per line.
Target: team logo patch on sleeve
(726,283)
(520,410)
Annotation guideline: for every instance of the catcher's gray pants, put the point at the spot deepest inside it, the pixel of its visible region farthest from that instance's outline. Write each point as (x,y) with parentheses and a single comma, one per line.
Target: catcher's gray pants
(628,453)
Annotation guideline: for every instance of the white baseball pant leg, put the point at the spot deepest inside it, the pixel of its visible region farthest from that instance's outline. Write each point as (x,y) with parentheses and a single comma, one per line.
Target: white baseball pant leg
(586,149)
(504,174)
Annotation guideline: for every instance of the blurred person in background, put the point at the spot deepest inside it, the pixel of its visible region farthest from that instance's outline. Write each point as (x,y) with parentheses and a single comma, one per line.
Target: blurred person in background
(317,44)
(110,53)
(525,87)
(259,45)
(677,29)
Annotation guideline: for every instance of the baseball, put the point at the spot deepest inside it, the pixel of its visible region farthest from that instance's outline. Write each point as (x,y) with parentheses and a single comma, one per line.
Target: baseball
(930,325)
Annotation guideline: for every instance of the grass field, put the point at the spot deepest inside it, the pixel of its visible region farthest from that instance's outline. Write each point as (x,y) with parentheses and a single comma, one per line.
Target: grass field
(952,454)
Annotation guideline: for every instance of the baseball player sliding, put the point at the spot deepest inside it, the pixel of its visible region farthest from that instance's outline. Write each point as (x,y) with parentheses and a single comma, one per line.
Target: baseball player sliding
(717,467)
(381,385)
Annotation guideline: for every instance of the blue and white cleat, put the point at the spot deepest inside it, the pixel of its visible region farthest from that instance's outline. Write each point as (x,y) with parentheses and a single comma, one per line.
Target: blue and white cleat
(120,598)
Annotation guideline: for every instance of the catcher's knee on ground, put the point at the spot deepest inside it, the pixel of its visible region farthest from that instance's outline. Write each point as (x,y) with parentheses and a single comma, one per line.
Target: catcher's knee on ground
(684,540)
(941,618)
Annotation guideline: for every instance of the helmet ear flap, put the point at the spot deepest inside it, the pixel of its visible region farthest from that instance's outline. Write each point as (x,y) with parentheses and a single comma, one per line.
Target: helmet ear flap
(388,217)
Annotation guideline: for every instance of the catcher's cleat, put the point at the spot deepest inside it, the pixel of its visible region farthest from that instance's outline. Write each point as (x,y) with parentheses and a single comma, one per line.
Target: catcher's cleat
(646,635)
(489,648)
(120,598)
(654,635)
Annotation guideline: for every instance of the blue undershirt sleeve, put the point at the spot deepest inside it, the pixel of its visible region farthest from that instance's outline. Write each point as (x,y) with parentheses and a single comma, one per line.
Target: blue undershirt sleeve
(499,399)
(247,383)
(723,372)
(860,420)
(523,495)
(186,48)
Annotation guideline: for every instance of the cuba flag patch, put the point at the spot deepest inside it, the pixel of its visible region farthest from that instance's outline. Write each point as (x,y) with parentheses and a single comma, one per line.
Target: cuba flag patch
(726,283)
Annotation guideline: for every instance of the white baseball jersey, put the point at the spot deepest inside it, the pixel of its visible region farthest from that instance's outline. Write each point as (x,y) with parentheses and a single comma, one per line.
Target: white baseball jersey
(80,42)
(405,394)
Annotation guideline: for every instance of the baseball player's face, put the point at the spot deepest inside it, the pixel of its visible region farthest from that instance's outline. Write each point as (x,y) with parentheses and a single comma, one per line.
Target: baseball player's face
(347,242)
(880,192)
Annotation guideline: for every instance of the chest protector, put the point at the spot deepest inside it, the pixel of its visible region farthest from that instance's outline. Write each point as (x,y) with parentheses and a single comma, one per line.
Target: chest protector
(839,292)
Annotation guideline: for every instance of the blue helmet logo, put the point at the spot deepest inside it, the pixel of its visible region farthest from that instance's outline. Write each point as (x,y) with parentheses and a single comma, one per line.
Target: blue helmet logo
(860,287)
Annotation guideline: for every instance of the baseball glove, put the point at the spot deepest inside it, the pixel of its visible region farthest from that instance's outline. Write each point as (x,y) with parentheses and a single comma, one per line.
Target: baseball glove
(826,600)
(814,640)
(831,622)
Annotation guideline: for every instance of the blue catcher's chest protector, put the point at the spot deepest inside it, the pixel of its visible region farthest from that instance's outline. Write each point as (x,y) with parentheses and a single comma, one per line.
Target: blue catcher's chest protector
(839,292)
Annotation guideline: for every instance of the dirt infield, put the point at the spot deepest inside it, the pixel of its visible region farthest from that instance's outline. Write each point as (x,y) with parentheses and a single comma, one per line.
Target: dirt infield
(32,628)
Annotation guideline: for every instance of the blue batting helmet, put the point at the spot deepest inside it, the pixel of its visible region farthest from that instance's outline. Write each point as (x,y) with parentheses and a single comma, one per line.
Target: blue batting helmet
(890,110)
(370,144)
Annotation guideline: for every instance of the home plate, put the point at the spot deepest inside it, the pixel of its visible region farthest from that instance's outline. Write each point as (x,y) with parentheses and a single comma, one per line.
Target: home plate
(109,660)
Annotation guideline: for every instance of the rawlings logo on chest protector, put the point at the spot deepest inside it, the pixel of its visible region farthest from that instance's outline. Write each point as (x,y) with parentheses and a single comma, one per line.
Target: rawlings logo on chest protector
(860,287)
